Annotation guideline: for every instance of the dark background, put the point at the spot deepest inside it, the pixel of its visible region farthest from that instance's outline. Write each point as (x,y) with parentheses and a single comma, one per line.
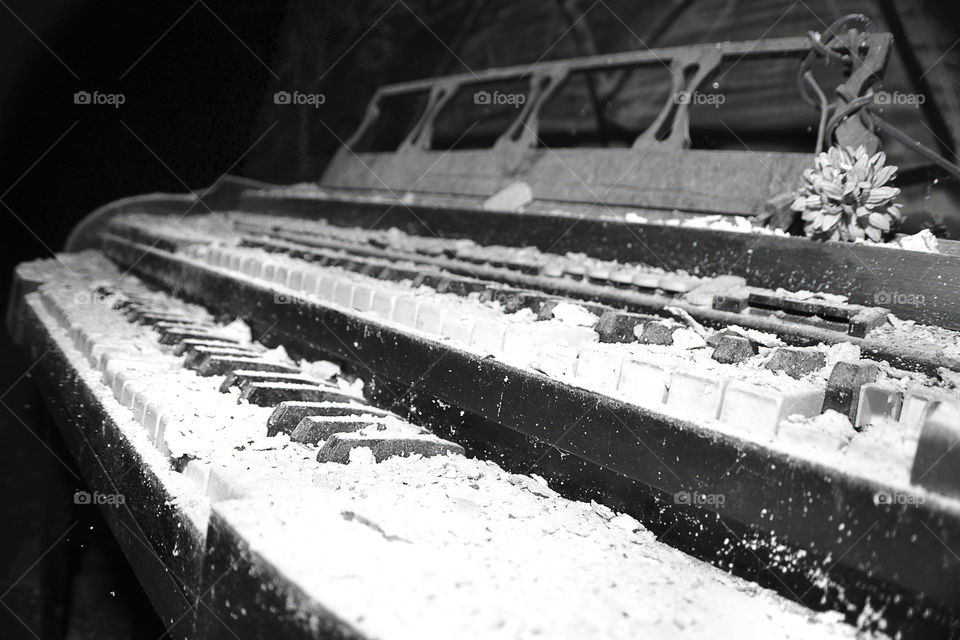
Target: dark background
(198,79)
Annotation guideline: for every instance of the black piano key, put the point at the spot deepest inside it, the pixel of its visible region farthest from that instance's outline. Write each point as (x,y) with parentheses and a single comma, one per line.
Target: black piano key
(659,333)
(163,325)
(618,326)
(154,317)
(131,310)
(819,321)
(214,365)
(796,363)
(173,335)
(732,301)
(841,312)
(242,377)
(429,279)
(186,346)
(270,394)
(313,429)
(462,287)
(867,320)
(800,307)
(337,448)
(195,355)
(843,387)
(372,269)
(524,264)
(128,302)
(732,349)
(764,300)
(288,415)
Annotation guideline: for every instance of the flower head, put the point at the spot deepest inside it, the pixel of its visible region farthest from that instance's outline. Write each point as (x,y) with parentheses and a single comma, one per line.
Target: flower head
(846,196)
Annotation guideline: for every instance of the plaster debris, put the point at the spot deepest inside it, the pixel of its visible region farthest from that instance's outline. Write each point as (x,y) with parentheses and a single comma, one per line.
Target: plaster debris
(923,241)
(573,314)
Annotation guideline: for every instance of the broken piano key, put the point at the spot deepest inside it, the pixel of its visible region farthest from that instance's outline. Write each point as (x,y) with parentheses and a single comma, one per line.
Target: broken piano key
(288,415)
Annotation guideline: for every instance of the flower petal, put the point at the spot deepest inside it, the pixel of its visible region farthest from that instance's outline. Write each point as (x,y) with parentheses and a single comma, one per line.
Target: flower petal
(883,175)
(879,194)
(832,190)
(830,221)
(879,221)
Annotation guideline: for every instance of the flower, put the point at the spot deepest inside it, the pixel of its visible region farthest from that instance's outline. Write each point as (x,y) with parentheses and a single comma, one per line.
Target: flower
(846,196)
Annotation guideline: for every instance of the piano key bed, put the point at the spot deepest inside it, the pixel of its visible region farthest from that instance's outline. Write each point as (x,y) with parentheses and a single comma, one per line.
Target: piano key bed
(303,470)
(400,535)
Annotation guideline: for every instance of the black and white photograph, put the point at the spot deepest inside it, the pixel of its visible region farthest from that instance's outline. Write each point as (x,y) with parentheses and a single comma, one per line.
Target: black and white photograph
(480,320)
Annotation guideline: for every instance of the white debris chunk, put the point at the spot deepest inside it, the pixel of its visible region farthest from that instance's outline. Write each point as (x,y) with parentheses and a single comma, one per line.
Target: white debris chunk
(573,314)
(923,241)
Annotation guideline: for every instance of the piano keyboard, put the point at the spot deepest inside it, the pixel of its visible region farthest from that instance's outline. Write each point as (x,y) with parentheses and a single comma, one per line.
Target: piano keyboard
(797,439)
(300,507)
(736,381)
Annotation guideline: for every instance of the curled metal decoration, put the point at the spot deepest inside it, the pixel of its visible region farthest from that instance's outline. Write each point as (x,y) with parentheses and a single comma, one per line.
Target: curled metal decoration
(850,120)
